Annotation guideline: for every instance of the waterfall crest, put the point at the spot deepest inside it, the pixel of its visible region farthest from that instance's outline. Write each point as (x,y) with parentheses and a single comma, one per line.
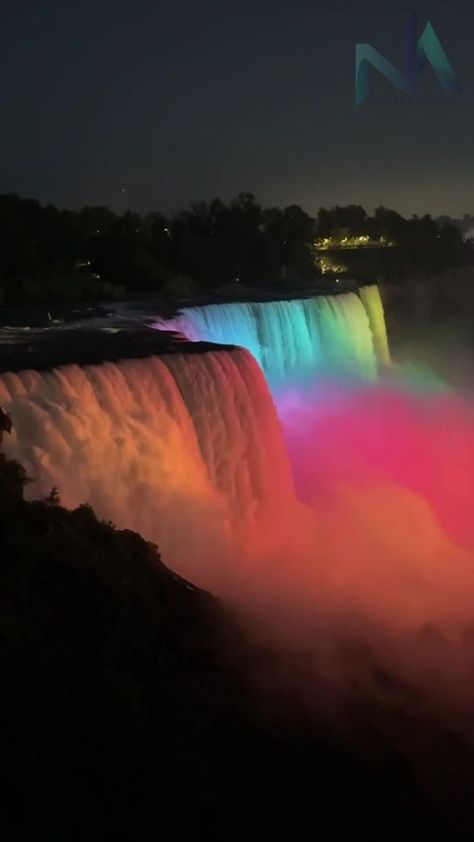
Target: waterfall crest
(370,297)
(293,341)
(185,448)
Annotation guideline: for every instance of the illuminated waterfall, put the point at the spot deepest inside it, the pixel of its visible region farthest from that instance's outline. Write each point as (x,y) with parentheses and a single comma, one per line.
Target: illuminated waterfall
(370,297)
(352,499)
(185,448)
(294,341)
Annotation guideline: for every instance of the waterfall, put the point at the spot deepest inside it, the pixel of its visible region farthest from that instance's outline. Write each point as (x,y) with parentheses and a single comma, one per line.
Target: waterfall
(185,448)
(188,450)
(370,297)
(349,510)
(293,341)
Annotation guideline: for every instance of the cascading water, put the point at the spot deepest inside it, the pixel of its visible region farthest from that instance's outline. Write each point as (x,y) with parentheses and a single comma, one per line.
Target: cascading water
(370,297)
(340,529)
(188,450)
(185,448)
(295,342)
(192,438)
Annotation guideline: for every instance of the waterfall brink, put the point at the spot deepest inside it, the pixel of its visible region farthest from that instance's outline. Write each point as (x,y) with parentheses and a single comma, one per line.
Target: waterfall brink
(295,342)
(185,448)
(298,508)
(370,297)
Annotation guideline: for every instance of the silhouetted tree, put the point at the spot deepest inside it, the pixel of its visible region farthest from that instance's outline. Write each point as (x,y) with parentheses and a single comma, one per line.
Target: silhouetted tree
(13,479)
(53,499)
(64,256)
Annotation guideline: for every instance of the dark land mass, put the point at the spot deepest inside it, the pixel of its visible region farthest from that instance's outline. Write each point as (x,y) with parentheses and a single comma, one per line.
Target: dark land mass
(133,707)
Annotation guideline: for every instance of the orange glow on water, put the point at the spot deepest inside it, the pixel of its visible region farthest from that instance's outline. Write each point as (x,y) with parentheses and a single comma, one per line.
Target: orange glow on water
(342,505)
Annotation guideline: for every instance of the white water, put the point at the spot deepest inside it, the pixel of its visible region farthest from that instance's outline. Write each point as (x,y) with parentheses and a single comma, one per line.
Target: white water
(186,449)
(293,341)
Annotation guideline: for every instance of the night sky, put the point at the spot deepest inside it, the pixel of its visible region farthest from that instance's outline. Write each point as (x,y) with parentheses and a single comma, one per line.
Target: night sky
(181,101)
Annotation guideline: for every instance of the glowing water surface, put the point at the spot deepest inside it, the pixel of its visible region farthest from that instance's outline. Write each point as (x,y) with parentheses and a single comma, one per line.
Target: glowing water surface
(355,495)
(295,342)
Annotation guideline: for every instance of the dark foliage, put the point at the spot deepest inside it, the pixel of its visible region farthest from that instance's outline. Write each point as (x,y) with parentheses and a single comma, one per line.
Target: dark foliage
(127,710)
(423,246)
(114,695)
(95,254)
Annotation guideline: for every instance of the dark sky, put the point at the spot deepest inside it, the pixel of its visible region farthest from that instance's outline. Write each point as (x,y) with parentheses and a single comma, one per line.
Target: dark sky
(181,101)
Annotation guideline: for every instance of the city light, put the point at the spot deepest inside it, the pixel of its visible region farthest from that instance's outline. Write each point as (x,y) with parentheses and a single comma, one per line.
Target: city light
(352,241)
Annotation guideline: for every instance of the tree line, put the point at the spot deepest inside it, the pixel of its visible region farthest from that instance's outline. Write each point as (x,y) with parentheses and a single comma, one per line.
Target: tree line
(95,253)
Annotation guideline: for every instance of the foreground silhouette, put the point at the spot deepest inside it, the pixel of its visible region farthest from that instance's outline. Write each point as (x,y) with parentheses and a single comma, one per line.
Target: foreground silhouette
(5,424)
(130,704)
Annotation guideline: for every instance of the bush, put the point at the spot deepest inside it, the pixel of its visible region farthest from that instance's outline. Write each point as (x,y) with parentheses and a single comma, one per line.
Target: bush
(13,479)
